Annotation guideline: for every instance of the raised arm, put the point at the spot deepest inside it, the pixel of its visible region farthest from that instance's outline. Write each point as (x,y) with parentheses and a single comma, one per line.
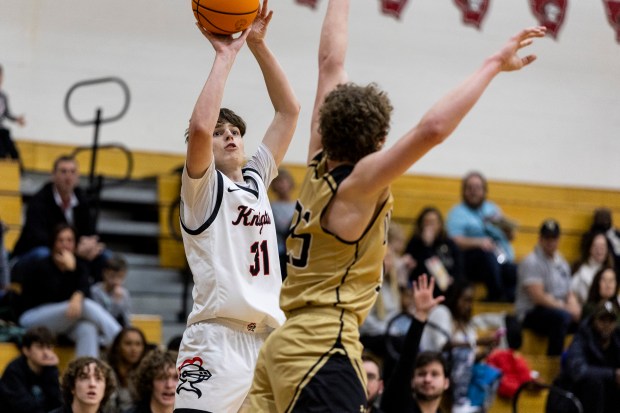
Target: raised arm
(397,394)
(282,127)
(332,53)
(378,170)
(207,108)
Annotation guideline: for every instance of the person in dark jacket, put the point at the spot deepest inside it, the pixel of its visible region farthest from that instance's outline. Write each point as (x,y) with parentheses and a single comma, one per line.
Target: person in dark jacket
(55,293)
(419,380)
(60,201)
(434,252)
(30,383)
(592,366)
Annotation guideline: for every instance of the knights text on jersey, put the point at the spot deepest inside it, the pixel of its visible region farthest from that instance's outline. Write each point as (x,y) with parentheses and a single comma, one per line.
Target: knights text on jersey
(233,255)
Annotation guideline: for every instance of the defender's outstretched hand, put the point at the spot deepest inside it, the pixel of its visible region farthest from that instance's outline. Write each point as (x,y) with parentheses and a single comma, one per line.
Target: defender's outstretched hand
(508,54)
(260,23)
(423,297)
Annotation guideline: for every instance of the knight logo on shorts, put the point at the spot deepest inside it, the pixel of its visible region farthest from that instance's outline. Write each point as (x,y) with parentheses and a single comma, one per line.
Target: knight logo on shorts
(251,327)
(393,7)
(473,11)
(612,9)
(550,13)
(191,373)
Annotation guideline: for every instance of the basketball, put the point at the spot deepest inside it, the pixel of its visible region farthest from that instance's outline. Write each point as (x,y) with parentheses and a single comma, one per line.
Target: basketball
(225,16)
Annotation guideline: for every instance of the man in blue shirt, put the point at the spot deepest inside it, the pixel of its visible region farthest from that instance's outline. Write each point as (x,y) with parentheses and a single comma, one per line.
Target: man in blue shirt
(480,230)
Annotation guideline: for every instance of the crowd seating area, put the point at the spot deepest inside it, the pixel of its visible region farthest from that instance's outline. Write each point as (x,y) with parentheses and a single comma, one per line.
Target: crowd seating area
(150,325)
(529,204)
(39,157)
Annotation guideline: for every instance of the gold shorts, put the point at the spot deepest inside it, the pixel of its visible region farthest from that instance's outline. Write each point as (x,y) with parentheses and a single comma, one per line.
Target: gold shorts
(314,359)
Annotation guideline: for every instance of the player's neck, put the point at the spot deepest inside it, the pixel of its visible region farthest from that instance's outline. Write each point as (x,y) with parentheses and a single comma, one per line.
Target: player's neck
(332,164)
(234,174)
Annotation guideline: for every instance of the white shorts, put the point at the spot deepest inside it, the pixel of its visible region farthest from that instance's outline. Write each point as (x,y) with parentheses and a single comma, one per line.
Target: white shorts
(216,365)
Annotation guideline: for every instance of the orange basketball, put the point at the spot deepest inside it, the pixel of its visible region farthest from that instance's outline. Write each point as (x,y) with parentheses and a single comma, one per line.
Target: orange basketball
(225,16)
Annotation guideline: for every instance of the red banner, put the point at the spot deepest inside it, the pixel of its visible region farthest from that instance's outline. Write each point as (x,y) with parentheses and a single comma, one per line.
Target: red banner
(550,13)
(393,7)
(473,11)
(309,3)
(612,9)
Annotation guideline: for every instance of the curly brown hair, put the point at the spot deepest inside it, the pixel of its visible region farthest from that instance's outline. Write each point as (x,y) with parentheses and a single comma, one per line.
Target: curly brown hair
(78,367)
(354,121)
(153,365)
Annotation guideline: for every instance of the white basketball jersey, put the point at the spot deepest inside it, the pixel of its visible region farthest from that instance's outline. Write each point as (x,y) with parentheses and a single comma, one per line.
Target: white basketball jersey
(233,251)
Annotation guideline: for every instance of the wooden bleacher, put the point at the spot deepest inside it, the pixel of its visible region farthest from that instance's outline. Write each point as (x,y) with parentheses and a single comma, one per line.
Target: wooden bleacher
(39,157)
(528,204)
(10,201)
(151,326)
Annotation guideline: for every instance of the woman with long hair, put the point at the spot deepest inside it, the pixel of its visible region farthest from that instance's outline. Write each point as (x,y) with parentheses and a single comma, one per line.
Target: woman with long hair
(604,288)
(124,356)
(433,252)
(595,255)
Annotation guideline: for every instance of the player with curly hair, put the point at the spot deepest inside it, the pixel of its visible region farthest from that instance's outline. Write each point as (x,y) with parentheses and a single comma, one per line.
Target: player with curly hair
(338,235)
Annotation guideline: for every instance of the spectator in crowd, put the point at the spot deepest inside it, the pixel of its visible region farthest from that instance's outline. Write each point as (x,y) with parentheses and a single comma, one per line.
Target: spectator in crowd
(87,385)
(5,277)
(603,222)
(605,287)
(283,207)
(59,201)
(374,382)
(592,365)
(594,256)
(156,380)
(124,356)
(434,253)
(7,146)
(388,303)
(174,343)
(545,303)
(8,292)
(55,293)
(30,382)
(110,293)
(449,329)
(420,379)
(483,233)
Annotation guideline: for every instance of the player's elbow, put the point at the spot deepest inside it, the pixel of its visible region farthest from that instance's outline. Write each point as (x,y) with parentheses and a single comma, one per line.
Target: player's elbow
(199,130)
(293,109)
(330,62)
(434,130)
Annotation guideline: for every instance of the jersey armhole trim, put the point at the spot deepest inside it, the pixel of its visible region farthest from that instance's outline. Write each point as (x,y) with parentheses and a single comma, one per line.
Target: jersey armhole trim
(218,203)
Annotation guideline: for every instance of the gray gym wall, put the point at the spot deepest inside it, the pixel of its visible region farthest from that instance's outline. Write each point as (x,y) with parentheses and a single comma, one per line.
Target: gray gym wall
(556,122)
